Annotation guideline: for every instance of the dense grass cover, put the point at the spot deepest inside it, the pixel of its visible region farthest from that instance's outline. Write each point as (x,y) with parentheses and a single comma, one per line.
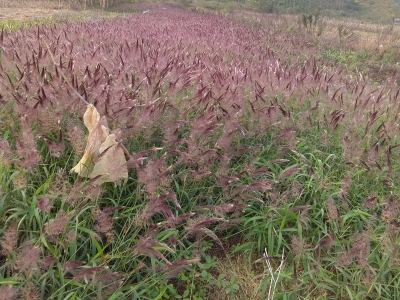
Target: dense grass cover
(238,140)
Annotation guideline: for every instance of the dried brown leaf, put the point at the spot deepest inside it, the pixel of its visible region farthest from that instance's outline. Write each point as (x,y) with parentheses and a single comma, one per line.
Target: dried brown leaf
(103,158)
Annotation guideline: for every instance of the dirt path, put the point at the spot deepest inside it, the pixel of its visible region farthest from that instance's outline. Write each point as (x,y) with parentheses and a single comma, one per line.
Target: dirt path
(28,13)
(27,10)
(42,9)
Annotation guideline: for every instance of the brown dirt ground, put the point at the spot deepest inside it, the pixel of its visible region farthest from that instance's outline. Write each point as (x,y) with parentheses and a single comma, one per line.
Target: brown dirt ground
(46,9)
(24,10)
(27,10)
(29,13)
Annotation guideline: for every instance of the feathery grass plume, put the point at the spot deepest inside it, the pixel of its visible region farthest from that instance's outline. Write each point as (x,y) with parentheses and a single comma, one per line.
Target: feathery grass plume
(362,248)
(226,138)
(57,226)
(201,157)
(107,282)
(70,237)
(304,216)
(9,241)
(47,262)
(346,183)
(21,179)
(222,79)
(87,273)
(145,116)
(155,204)
(352,146)
(360,251)
(27,258)
(173,240)
(345,203)
(81,192)
(344,259)
(8,292)
(106,278)
(298,246)
(71,265)
(112,287)
(369,202)
(30,291)
(50,118)
(152,174)
(44,204)
(224,226)
(369,278)
(323,246)
(327,241)
(373,153)
(77,138)
(104,222)
(171,131)
(289,171)
(172,222)
(59,184)
(173,269)
(224,179)
(389,245)
(222,209)
(294,191)
(26,146)
(390,211)
(5,153)
(197,226)
(204,124)
(147,244)
(332,209)
(57,147)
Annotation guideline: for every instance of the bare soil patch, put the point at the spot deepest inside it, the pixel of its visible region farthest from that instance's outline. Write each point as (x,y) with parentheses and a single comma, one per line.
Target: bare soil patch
(28,13)
(42,9)
(28,10)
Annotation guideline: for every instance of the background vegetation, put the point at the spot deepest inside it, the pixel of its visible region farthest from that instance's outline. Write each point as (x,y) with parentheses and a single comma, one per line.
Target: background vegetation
(243,132)
(382,11)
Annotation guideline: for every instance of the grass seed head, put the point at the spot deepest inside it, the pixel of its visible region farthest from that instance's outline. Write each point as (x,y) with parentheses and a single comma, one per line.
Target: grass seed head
(104,222)
(77,137)
(27,258)
(8,292)
(5,153)
(26,146)
(47,261)
(30,291)
(9,241)
(44,204)
(56,226)
(362,248)
(390,211)
(298,246)
(88,273)
(332,209)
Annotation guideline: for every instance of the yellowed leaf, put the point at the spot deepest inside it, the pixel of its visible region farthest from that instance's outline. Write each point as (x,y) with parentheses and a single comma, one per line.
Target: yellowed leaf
(103,156)
(91,117)
(112,163)
(97,135)
(110,141)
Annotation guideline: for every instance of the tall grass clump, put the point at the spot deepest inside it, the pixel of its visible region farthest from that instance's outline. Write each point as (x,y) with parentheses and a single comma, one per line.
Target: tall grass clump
(234,145)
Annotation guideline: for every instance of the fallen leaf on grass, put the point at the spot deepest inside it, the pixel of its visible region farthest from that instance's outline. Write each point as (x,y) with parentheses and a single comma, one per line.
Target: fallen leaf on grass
(111,163)
(103,156)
